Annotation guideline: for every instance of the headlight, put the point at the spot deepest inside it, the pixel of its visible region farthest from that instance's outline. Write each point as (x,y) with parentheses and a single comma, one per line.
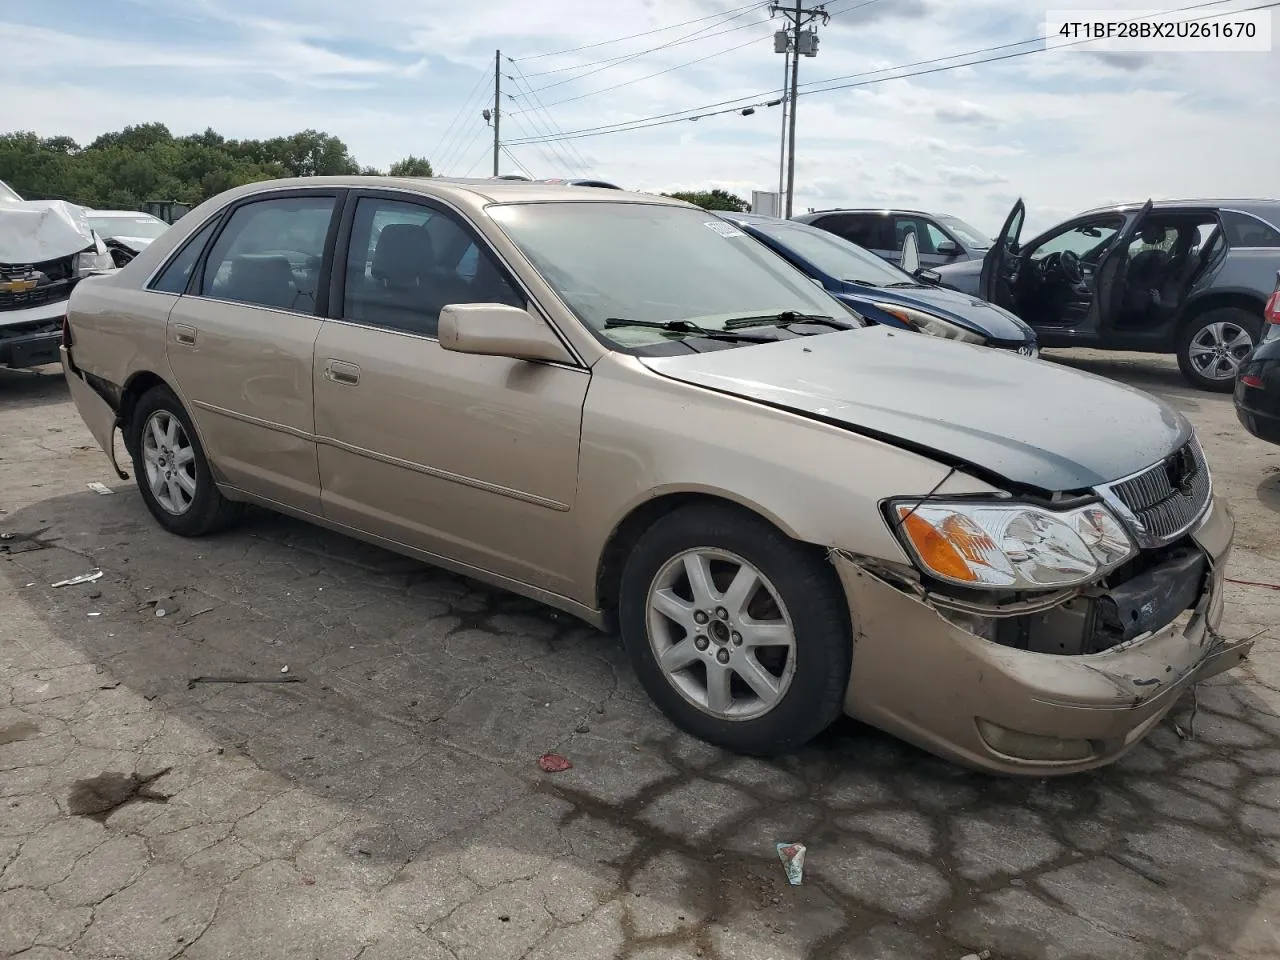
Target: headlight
(1011,546)
(922,322)
(89,262)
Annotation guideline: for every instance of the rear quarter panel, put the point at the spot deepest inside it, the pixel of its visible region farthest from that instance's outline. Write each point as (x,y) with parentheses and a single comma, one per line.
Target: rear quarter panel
(1248,270)
(119,331)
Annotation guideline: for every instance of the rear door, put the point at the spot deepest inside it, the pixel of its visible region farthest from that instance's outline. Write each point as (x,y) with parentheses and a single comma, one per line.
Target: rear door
(240,340)
(1110,286)
(992,282)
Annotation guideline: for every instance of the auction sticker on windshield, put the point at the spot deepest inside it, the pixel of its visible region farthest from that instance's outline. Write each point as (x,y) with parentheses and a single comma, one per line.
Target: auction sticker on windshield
(725,229)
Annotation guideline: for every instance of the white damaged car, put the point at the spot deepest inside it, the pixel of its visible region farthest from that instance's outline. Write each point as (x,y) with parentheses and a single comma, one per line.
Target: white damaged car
(46,248)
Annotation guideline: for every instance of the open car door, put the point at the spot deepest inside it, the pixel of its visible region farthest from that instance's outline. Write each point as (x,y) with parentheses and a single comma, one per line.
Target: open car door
(995,263)
(1113,270)
(910,261)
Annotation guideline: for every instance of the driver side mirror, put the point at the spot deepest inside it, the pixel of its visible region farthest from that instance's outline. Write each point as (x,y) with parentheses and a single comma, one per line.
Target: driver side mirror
(948,248)
(910,253)
(497,330)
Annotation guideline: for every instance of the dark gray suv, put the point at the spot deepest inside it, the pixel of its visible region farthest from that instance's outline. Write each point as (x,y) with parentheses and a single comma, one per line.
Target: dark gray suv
(1189,277)
(940,237)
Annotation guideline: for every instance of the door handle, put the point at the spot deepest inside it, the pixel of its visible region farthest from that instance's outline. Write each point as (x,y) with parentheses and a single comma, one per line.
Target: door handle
(340,371)
(185,334)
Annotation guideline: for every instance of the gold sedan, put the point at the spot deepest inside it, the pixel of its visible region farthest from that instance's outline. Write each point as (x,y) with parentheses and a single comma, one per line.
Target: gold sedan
(624,407)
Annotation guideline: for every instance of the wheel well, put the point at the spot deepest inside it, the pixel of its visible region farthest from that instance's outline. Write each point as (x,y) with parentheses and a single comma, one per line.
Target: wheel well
(133,391)
(1219,301)
(632,527)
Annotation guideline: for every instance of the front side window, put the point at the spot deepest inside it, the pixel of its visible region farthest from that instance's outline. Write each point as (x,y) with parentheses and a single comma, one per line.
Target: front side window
(270,254)
(177,272)
(1087,240)
(656,264)
(970,236)
(407,261)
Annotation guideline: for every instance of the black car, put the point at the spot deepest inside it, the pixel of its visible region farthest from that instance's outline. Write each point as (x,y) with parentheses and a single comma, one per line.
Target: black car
(1187,277)
(1258,386)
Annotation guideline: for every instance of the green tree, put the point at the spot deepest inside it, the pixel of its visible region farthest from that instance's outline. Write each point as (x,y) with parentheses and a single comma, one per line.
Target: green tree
(128,167)
(411,166)
(716,199)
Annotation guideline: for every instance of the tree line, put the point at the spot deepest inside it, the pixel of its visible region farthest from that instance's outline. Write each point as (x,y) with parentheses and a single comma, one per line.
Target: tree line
(126,169)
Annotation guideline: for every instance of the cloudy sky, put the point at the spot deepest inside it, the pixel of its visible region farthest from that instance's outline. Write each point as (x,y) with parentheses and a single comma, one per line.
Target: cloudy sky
(1063,129)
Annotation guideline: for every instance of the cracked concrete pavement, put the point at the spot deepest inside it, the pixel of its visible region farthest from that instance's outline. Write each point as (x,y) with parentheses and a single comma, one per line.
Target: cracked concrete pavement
(389,806)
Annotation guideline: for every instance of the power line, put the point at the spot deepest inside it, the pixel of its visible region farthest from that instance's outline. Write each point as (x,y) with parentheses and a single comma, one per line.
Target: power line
(540,106)
(484,155)
(457,155)
(650,76)
(688,38)
(547,149)
(739,103)
(512,157)
(462,111)
(460,142)
(633,36)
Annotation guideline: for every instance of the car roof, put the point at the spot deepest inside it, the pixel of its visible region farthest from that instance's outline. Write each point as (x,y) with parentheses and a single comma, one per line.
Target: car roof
(1257,205)
(885,211)
(471,192)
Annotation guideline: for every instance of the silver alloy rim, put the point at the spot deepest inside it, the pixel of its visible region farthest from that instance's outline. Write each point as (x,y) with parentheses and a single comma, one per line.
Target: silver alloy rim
(170,462)
(721,634)
(1217,351)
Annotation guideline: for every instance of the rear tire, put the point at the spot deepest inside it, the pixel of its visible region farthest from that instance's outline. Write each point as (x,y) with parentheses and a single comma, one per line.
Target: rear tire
(739,634)
(171,468)
(1213,346)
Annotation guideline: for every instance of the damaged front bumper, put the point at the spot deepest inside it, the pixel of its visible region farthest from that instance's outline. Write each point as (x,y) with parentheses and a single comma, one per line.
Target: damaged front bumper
(919,675)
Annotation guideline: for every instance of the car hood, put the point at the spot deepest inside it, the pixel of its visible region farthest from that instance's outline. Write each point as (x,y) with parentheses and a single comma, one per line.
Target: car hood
(980,316)
(136,244)
(37,231)
(1030,423)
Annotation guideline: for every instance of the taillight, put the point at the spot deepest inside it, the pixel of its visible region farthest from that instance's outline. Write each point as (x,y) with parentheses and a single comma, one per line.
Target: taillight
(1271,313)
(66,332)
(1251,380)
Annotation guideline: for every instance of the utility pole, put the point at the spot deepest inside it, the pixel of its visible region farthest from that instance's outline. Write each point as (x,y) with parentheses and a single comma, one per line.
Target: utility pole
(497,102)
(804,42)
(782,149)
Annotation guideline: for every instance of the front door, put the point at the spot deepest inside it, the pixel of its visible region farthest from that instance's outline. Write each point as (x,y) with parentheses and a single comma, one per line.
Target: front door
(472,458)
(240,344)
(993,282)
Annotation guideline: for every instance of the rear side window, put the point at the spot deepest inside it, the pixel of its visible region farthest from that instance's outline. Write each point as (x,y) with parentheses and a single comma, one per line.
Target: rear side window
(1246,231)
(270,254)
(869,231)
(173,278)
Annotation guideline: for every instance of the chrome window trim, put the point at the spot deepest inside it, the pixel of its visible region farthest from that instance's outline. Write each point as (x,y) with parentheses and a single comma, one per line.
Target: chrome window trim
(367,191)
(177,251)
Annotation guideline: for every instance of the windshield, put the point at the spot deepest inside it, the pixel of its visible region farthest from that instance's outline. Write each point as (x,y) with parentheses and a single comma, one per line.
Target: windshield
(833,255)
(140,226)
(8,194)
(656,264)
(970,236)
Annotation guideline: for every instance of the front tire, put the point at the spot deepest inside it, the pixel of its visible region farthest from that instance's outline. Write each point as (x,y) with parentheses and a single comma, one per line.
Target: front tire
(1214,345)
(739,634)
(171,468)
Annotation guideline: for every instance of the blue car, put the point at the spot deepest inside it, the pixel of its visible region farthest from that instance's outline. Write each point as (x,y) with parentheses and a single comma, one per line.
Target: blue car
(881,292)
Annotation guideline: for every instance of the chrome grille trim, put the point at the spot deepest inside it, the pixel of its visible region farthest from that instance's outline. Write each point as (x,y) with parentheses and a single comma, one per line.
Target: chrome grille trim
(1156,512)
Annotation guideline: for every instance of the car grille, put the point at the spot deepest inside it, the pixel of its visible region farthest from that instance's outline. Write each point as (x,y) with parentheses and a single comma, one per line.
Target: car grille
(1162,502)
(53,283)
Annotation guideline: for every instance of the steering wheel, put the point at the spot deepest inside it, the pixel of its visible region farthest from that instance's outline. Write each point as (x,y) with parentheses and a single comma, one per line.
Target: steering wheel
(1069,264)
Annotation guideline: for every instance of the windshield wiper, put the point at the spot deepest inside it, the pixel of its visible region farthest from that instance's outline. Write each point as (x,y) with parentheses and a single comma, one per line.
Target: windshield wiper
(785,319)
(863,283)
(684,326)
(904,283)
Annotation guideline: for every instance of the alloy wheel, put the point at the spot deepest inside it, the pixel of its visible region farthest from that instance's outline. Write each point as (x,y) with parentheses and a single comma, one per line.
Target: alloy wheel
(170,462)
(721,634)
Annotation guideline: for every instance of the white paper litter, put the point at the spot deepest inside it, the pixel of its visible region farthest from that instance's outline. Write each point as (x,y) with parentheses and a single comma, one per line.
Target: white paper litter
(83,578)
(100,488)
